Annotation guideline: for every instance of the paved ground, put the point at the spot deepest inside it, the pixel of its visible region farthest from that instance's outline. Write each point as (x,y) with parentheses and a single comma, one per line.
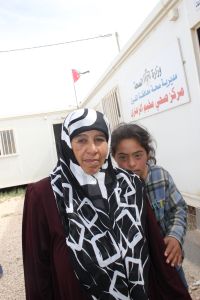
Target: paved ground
(12,282)
(192,262)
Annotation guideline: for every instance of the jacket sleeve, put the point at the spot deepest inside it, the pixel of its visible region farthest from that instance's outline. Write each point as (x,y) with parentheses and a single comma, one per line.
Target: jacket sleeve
(36,248)
(177,216)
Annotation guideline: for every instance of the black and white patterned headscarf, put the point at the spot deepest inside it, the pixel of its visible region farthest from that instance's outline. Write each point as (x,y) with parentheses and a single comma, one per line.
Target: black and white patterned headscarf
(103,217)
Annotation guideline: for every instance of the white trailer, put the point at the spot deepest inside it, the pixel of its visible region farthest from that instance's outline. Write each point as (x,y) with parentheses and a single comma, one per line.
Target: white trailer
(28,147)
(155,81)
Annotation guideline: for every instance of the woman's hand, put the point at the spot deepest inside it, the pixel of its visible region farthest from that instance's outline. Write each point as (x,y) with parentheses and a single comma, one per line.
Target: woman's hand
(173,251)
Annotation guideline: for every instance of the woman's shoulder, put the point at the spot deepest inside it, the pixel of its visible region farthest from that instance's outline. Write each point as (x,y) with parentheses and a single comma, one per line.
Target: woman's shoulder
(40,189)
(43,183)
(123,171)
(39,199)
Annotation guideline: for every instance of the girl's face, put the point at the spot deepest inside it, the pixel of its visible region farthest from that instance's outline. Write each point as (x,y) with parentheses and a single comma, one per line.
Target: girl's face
(90,149)
(130,155)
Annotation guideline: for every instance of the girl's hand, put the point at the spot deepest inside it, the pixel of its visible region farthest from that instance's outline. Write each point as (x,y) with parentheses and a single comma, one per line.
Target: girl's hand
(173,251)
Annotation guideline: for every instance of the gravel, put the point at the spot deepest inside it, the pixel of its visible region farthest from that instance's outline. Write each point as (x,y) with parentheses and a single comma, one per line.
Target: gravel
(12,281)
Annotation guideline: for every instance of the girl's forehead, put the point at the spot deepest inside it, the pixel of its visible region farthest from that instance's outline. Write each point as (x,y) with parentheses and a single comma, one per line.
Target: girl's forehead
(133,140)
(130,143)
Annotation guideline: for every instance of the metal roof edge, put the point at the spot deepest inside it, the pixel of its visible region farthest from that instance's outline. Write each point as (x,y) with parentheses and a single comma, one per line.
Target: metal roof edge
(42,114)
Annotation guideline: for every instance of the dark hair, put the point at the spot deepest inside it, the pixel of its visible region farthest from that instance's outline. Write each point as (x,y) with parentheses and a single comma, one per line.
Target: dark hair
(133,131)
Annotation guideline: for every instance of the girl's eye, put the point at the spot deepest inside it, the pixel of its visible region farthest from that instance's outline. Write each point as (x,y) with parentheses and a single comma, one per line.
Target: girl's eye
(122,158)
(138,155)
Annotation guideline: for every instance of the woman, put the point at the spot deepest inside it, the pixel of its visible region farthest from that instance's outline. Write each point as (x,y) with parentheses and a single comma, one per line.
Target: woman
(84,226)
(103,219)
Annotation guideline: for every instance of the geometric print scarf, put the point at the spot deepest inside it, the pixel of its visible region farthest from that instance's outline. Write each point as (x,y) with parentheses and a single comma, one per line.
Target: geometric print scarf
(103,216)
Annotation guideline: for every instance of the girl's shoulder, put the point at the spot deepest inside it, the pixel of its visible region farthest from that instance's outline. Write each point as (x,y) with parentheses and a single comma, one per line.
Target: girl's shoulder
(157,168)
(156,172)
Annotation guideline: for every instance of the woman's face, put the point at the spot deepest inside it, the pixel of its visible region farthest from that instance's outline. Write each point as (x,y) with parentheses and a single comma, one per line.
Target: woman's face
(130,155)
(90,149)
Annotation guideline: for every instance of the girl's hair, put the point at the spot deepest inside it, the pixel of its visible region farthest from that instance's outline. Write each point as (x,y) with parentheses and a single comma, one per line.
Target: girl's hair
(133,131)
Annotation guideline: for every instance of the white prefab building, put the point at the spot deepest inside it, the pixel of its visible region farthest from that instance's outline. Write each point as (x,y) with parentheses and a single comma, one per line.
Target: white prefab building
(154,81)
(28,147)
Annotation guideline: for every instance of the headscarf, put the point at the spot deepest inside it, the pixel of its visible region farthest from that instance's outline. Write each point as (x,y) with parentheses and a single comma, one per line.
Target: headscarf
(103,216)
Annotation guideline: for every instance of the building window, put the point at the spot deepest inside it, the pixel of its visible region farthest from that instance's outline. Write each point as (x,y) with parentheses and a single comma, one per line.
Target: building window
(7,142)
(111,107)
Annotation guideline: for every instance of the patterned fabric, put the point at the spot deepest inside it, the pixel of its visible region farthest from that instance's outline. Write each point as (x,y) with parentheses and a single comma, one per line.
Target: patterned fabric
(103,216)
(167,202)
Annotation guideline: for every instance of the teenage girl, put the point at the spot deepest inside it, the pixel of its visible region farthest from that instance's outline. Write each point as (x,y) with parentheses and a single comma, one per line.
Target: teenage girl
(132,148)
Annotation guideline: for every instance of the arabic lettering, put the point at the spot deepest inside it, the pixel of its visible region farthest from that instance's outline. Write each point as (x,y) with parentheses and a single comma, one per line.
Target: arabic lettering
(180,93)
(176,95)
(138,84)
(155,87)
(172,94)
(157,72)
(148,106)
(163,102)
(167,83)
(147,76)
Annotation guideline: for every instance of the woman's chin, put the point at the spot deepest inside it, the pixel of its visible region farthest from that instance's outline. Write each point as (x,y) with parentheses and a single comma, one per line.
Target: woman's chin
(91,170)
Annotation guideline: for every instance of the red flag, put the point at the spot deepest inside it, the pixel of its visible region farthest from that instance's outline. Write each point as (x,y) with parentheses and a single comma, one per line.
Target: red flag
(76,75)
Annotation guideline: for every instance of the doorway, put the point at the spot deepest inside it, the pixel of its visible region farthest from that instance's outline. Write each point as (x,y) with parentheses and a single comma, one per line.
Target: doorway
(57,135)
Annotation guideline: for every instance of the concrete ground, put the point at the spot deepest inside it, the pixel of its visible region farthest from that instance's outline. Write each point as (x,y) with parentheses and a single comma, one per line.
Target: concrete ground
(192,246)
(191,263)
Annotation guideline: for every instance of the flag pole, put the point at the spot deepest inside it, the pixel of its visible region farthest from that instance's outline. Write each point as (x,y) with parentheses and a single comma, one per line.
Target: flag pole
(75,95)
(117,41)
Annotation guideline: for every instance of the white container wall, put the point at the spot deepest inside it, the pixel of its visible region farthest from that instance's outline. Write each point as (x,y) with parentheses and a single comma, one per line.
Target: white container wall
(36,154)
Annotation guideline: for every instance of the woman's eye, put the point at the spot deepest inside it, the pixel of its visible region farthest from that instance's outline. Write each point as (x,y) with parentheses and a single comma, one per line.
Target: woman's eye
(81,141)
(100,139)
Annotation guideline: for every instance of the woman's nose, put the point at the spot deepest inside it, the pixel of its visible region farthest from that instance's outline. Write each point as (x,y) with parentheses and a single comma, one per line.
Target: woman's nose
(92,148)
